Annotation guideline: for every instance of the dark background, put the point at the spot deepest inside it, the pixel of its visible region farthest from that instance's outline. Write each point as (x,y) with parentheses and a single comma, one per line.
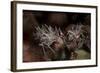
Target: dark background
(58,19)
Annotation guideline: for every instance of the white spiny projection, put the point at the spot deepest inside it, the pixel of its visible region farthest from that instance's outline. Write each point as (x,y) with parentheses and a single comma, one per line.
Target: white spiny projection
(47,36)
(75,36)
